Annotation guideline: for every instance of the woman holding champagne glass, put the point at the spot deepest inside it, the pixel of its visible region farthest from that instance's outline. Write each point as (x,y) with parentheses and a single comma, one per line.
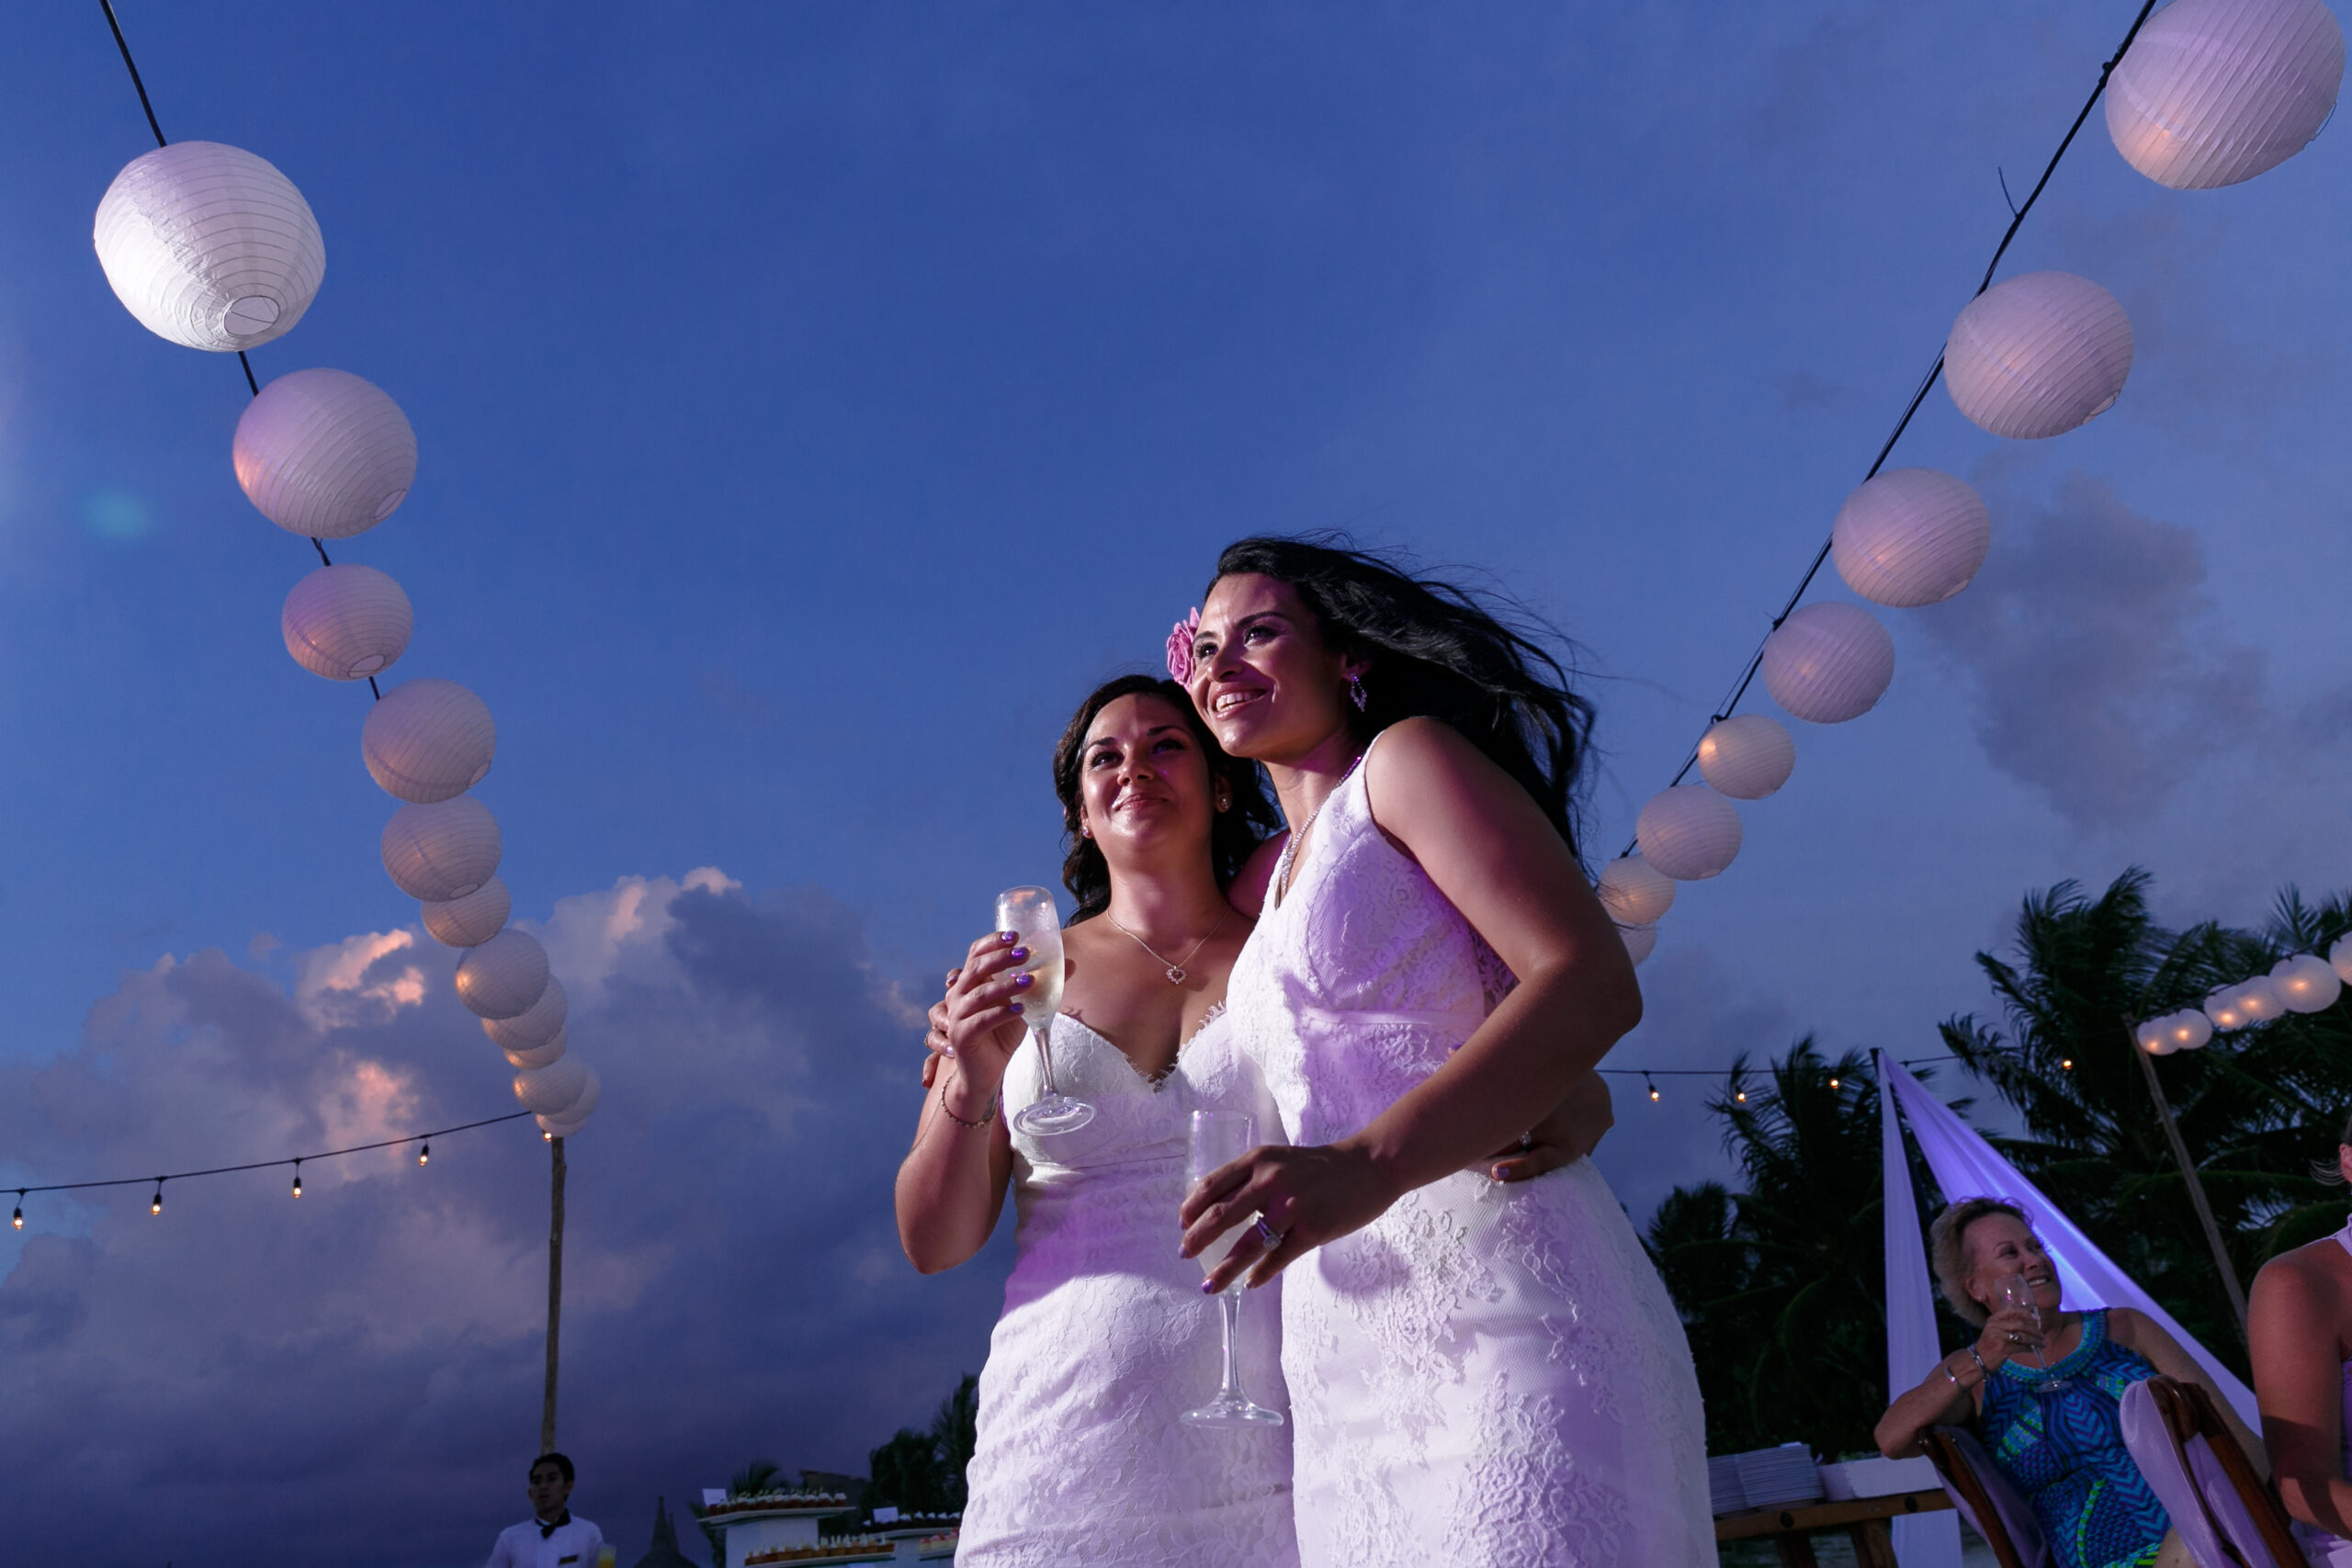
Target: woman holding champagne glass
(1106,1344)
(1481,1376)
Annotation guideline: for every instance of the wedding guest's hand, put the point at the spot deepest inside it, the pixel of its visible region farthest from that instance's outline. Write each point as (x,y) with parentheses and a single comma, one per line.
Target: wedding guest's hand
(981,1014)
(1303,1196)
(2007,1333)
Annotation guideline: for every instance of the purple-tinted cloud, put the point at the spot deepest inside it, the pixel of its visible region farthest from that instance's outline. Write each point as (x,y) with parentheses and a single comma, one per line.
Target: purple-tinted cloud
(355,1376)
(2102,677)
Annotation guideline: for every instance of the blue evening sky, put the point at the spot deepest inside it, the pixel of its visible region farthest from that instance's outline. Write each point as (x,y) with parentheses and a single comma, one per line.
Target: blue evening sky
(814,400)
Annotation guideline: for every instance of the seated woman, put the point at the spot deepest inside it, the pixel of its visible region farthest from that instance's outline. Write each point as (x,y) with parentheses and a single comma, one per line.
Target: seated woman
(2044,1386)
(2300,1322)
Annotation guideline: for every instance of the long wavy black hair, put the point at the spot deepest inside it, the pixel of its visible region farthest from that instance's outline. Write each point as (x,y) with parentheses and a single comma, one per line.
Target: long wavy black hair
(1436,649)
(1234,833)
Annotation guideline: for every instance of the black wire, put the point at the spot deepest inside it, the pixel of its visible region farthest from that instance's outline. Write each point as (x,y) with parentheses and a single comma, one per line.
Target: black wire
(132,66)
(295,1160)
(1725,1072)
(1935,373)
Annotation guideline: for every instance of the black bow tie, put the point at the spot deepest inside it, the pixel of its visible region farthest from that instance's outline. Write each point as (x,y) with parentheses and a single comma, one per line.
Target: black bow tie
(561,1520)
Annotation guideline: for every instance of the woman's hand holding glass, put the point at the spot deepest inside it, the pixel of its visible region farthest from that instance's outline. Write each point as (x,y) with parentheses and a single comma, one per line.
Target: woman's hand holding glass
(979,1024)
(2010,1330)
(1307,1195)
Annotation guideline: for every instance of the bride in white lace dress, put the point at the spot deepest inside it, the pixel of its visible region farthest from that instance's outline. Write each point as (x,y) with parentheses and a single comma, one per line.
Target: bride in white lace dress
(1106,1336)
(1481,1376)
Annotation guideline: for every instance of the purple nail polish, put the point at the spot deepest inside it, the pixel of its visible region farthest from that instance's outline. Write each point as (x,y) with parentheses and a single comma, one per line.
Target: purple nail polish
(1205,1289)
(1023,982)
(1008,936)
(1020,955)
(1016,1007)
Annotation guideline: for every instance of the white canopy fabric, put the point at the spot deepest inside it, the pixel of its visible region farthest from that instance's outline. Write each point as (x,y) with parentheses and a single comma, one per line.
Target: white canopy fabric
(1965,1166)
(1926,1541)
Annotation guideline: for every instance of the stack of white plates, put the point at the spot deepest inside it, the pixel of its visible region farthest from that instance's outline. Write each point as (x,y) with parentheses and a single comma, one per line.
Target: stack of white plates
(1772,1478)
(1722,1480)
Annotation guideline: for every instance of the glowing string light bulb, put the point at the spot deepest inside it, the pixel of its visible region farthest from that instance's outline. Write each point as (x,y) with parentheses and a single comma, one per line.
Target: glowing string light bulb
(1740,1095)
(1833,1083)
(18,1219)
(2065,1063)
(1646,1078)
(155,1204)
(425,1154)
(298,1178)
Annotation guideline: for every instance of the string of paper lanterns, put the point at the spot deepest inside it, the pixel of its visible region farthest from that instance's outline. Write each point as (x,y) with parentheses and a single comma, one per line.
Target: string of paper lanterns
(212,247)
(2207,93)
(2302,982)
(155,1206)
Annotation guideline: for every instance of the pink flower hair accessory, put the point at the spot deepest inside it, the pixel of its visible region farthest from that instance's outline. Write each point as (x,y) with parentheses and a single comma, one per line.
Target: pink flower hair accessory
(1179,648)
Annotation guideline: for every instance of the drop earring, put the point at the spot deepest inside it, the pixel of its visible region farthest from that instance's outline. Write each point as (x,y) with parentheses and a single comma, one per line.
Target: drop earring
(1355,691)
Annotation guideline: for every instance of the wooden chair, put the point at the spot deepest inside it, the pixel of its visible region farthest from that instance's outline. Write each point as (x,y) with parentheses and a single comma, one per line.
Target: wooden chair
(2227,1515)
(1991,1506)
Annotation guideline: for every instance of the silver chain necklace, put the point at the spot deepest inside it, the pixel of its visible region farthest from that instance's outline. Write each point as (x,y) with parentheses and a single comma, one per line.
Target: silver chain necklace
(1176,970)
(1289,861)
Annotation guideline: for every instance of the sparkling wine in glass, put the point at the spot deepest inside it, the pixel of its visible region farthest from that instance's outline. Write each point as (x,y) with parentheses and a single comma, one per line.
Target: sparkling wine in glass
(1221,1137)
(1030,912)
(2017,1291)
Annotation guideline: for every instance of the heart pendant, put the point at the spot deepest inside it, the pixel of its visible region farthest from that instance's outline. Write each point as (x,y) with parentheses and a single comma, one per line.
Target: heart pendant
(1175,974)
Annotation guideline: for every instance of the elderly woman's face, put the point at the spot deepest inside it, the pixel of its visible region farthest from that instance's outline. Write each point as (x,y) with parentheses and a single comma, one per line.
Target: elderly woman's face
(1999,1245)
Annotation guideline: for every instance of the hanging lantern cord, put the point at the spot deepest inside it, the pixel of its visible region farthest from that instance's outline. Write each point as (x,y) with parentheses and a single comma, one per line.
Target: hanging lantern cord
(1928,383)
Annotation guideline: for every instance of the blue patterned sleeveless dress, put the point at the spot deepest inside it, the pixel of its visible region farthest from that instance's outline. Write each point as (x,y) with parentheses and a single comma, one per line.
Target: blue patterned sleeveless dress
(2064,1450)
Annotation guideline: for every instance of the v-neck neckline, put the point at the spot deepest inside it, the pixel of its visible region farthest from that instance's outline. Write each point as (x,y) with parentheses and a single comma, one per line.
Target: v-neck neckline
(1155,1084)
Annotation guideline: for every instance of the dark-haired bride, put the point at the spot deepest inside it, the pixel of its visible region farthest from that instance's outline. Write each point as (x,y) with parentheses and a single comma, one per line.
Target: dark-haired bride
(1482,1376)
(1106,1338)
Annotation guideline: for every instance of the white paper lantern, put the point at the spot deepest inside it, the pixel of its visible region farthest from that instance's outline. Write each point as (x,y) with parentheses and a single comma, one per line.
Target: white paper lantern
(1640,941)
(1634,892)
(2222,1007)
(325,454)
(2305,983)
(538,1055)
(1689,832)
(503,976)
(1911,537)
(1829,662)
(526,1031)
(554,1088)
(428,741)
(2259,1000)
(1746,756)
(2213,92)
(2156,1037)
(210,246)
(575,1116)
(442,852)
(472,921)
(2037,355)
(2188,1030)
(346,621)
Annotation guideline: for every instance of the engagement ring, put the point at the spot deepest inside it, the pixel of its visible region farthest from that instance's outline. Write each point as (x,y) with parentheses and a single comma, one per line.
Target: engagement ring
(1268,1234)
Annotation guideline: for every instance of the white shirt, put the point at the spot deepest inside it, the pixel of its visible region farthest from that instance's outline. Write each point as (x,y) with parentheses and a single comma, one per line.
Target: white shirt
(573,1545)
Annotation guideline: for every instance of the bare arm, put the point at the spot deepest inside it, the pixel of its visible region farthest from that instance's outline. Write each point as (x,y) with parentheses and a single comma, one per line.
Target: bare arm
(1572,1130)
(1493,853)
(2136,1331)
(1953,1391)
(2299,1381)
(951,1186)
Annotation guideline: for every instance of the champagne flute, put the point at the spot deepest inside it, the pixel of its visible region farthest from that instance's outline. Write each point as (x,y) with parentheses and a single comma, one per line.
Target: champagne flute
(1029,913)
(1221,1137)
(2016,1291)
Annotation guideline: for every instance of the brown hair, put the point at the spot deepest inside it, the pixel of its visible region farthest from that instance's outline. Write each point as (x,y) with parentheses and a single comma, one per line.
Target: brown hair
(1948,1249)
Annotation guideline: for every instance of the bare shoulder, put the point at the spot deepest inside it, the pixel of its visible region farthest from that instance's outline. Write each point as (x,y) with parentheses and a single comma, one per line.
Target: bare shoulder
(1248,893)
(1421,744)
(2308,1277)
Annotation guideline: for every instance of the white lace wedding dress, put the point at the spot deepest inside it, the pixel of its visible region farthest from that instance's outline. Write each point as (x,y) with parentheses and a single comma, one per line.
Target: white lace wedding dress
(1106,1338)
(1487,1376)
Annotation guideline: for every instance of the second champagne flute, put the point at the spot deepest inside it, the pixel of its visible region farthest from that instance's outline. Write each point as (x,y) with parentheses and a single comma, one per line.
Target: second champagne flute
(1221,1137)
(1029,913)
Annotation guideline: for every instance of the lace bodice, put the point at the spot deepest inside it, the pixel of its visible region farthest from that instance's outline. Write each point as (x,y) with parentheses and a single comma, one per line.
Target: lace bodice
(1106,1338)
(1486,1376)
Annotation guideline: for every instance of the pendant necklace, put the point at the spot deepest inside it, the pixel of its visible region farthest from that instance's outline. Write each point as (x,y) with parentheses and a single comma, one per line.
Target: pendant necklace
(1175,971)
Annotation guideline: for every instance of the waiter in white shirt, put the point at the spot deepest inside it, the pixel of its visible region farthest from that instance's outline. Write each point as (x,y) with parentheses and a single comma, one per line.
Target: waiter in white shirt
(555,1537)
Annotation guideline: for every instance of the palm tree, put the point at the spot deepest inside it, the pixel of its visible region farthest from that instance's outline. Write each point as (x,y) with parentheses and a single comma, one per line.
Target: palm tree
(2253,1109)
(1780,1286)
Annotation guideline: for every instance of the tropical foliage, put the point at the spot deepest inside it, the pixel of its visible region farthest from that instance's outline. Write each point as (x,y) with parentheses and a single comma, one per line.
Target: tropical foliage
(922,1471)
(1780,1283)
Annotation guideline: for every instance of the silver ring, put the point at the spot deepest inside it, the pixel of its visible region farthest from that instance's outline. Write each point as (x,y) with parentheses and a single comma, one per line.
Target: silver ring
(1526,1142)
(1268,1234)
(2016,1338)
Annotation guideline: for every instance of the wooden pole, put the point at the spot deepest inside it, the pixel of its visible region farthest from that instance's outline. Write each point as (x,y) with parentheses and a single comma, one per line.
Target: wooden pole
(555,1297)
(2196,1187)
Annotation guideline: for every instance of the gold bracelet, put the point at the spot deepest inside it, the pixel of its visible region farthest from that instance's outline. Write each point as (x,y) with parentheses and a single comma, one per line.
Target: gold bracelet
(986,1117)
